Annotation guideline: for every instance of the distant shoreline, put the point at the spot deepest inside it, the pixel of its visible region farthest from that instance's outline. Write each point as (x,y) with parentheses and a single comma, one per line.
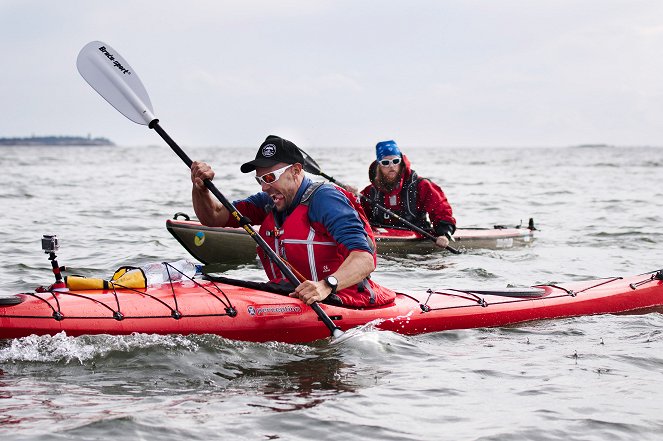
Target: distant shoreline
(56,141)
(592,146)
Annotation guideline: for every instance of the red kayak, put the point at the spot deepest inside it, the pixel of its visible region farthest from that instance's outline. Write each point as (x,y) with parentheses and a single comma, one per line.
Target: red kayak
(233,245)
(250,312)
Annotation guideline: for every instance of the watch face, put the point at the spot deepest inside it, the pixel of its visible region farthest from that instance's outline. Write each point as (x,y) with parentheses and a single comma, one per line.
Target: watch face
(332,280)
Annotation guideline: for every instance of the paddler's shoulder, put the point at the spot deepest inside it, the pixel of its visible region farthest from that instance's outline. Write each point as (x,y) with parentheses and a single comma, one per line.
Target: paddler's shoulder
(325,197)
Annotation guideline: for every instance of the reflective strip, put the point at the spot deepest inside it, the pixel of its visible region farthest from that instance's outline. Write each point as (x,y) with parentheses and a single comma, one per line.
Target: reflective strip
(307,242)
(311,255)
(271,262)
(367,286)
(310,250)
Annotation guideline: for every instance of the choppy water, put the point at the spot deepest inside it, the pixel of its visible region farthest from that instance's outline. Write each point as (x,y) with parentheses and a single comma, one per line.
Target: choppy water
(599,211)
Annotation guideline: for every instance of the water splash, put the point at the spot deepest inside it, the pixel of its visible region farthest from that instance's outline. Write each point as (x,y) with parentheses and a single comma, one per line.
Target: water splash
(62,348)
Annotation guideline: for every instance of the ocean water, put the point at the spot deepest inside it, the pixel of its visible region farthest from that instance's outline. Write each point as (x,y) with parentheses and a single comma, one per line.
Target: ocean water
(599,212)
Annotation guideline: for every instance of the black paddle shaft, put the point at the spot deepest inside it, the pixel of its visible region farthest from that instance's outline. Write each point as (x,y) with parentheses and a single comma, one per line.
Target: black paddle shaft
(245,224)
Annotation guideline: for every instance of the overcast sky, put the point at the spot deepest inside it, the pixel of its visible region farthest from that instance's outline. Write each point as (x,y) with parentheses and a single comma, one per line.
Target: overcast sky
(344,73)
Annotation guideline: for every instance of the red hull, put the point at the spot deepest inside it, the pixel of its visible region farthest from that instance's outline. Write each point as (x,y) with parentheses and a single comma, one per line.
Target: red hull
(262,316)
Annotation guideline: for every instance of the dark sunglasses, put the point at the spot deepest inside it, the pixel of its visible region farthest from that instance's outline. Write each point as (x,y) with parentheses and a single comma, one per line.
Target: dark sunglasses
(388,162)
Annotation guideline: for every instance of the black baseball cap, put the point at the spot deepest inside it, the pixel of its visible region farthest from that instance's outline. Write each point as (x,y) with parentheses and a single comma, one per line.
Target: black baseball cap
(272,151)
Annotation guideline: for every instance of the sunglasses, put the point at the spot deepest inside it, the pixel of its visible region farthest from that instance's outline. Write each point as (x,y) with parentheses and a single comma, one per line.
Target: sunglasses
(388,162)
(271,177)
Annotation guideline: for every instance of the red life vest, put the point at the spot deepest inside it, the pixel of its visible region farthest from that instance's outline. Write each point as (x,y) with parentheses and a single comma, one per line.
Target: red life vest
(313,252)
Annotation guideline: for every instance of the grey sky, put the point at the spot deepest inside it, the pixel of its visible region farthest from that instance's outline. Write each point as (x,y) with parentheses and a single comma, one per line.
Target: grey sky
(345,73)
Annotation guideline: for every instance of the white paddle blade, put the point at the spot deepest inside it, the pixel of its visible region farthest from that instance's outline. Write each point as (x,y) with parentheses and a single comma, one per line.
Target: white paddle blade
(109,74)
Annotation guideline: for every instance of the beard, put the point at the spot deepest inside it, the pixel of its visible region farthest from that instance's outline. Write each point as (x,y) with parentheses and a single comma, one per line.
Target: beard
(388,185)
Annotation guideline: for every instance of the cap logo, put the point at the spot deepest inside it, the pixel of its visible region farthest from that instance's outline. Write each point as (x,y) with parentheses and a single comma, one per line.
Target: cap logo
(269,150)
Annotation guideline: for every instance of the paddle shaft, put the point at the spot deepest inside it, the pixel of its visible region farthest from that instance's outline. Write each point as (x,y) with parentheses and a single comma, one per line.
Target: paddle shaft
(385,210)
(245,224)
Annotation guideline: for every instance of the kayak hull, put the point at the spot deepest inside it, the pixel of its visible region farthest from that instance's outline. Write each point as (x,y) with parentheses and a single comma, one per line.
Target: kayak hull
(397,241)
(233,246)
(241,313)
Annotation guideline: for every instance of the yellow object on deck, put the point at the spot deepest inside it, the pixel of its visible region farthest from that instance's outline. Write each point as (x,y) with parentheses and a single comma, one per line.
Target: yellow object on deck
(124,277)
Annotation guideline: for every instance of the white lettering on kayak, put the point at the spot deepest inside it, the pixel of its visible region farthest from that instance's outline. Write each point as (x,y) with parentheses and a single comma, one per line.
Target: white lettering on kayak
(273,309)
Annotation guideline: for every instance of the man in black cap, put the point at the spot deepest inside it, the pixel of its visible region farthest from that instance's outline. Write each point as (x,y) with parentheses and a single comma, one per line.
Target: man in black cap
(315,225)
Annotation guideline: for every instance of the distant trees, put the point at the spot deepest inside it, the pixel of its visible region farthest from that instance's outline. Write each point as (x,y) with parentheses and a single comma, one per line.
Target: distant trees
(57,140)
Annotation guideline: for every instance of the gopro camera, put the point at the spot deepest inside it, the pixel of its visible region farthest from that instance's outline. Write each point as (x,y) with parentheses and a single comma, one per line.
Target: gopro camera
(49,243)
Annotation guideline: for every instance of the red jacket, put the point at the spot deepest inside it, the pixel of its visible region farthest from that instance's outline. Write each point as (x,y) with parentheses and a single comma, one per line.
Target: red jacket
(430,205)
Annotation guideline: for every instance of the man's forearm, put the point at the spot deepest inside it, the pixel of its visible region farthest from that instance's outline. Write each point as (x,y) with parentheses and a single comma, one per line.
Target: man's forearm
(209,211)
(354,269)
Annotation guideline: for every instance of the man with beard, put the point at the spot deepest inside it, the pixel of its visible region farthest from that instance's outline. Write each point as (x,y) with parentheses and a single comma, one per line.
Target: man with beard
(395,186)
(314,225)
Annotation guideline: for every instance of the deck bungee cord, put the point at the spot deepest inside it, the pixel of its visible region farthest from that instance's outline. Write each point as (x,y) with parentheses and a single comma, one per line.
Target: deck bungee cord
(656,275)
(481,301)
(535,293)
(54,301)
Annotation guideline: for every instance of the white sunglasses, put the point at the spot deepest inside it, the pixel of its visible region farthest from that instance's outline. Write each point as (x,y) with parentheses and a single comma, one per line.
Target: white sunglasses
(388,162)
(272,176)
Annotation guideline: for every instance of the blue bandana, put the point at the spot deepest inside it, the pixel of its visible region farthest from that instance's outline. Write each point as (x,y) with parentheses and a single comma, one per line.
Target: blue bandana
(387,148)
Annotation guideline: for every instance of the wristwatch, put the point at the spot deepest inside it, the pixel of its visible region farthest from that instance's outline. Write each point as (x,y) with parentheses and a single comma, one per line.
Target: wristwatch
(332,283)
